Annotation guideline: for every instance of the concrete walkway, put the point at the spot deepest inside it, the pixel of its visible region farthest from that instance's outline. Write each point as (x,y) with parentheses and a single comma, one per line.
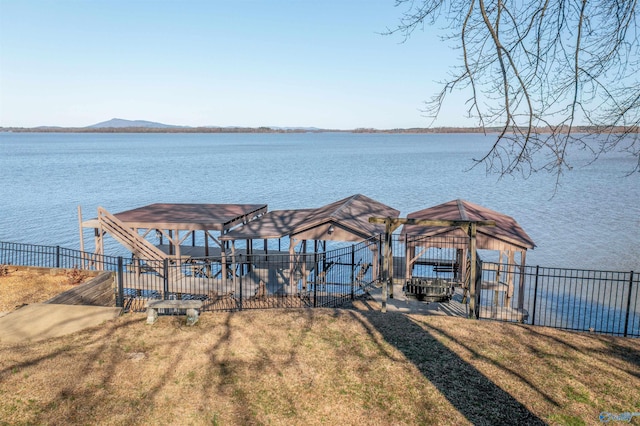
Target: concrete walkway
(41,321)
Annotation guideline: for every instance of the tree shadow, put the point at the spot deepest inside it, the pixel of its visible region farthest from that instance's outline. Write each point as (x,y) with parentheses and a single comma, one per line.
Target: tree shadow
(625,350)
(472,393)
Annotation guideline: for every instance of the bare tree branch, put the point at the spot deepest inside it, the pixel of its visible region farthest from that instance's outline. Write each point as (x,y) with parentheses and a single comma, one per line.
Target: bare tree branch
(554,76)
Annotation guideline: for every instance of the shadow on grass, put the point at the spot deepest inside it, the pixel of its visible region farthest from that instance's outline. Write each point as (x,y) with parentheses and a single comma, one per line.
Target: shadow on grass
(625,350)
(473,394)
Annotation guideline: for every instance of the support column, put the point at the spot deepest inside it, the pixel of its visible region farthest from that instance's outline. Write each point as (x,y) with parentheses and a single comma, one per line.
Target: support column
(523,258)
(409,253)
(292,262)
(474,272)
(510,273)
(303,267)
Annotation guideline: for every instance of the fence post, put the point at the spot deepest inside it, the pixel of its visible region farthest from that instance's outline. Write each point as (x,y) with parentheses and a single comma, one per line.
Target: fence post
(240,280)
(315,294)
(535,296)
(120,294)
(165,270)
(57,256)
(626,319)
(315,274)
(353,272)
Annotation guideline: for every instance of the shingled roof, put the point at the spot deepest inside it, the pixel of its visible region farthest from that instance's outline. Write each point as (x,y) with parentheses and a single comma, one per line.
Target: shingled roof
(351,214)
(507,230)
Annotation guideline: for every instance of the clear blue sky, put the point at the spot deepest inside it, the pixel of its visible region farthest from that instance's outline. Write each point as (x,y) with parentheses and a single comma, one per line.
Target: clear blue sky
(218,63)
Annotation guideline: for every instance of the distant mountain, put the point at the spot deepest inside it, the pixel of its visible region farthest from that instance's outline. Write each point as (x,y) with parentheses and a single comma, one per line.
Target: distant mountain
(121,123)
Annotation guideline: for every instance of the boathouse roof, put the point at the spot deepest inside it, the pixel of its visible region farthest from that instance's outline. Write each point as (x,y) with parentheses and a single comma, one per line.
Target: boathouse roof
(274,224)
(190,217)
(507,231)
(342,220)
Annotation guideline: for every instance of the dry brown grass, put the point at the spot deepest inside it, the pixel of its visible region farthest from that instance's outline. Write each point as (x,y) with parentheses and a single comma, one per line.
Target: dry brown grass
(318,367)
(321,366)
(20,286)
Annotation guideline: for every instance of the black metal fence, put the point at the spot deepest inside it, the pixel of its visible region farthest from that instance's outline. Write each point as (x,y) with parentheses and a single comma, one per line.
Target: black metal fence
(571,299)
(20,254)
(583,300)
(257,281)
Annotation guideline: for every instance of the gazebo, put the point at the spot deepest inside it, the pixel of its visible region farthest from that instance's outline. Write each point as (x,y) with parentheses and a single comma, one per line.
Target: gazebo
(507,237)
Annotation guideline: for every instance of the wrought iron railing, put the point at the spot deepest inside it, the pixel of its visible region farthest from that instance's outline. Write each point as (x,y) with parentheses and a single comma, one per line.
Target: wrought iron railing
(572,299)
(255,281)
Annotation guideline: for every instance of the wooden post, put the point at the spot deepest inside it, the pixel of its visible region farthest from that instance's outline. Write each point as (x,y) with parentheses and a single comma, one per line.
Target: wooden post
(390,260)
(409,253)
(376,260)
(510,276)
(223,261)
(523,257)
(292,250)
(315,264)
(385,264)
(81,237)
(303,267)
(178,254)
(474,272)
(98,235)
(234,265)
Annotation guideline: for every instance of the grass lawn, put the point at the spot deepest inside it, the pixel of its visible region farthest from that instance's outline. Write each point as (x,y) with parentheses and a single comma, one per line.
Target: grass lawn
(318,367)
(322,366)
(20,285)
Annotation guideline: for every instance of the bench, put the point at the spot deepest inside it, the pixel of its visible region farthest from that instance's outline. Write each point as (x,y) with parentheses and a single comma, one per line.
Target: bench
(192,307)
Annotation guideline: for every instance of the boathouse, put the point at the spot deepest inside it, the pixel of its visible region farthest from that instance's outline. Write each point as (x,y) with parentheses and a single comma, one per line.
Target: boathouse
(345,220)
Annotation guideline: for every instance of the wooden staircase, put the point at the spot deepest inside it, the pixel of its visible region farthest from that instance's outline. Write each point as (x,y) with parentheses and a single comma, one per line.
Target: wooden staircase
(141,248)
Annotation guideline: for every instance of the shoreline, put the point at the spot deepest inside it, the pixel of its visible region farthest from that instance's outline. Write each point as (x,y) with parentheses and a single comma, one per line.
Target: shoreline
(267,130)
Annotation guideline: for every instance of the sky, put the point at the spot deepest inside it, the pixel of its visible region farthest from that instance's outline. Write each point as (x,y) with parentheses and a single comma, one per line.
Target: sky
(292,63)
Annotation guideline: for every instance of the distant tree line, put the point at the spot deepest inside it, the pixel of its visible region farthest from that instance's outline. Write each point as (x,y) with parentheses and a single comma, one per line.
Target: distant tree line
(411,130)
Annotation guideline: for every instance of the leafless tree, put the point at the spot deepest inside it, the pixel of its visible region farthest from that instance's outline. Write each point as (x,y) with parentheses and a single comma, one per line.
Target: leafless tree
(550,75)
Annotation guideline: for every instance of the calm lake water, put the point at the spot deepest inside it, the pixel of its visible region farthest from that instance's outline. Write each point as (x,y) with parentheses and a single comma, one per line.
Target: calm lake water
(592,222)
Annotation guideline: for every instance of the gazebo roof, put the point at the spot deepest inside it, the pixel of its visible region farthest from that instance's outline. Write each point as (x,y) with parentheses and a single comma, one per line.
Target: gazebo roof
(507,230)
(351,214)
